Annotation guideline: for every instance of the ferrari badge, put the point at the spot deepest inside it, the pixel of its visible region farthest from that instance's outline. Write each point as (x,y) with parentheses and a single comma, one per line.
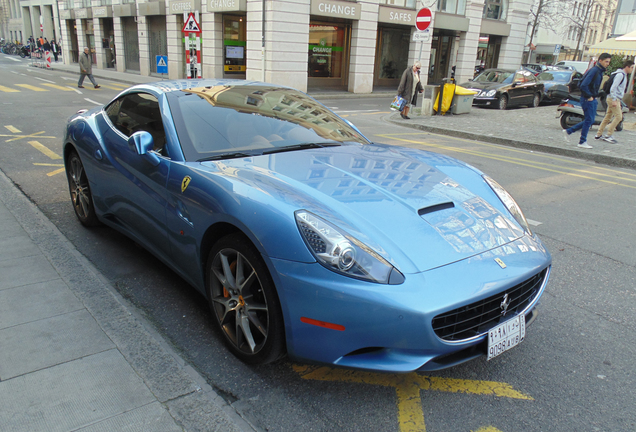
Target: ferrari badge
(184,183)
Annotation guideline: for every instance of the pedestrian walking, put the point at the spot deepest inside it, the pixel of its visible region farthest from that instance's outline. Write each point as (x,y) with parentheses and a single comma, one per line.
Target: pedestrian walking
(590,85)
(54,48)
(86,69)
(46,45)
(409,86)
(614,114)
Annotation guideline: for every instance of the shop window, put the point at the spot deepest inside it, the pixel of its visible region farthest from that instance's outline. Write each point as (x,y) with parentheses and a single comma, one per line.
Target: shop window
(495,9)
(457,7)
(234,43)
(403,3)
(326,50)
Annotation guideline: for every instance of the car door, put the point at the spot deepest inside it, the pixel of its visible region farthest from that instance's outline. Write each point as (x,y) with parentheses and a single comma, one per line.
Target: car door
(135,194)
(516,90)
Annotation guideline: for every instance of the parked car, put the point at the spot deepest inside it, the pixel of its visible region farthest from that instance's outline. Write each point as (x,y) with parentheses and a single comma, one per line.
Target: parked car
(558,84)
(304,237)
(536,67)
(580,66)
(504,88)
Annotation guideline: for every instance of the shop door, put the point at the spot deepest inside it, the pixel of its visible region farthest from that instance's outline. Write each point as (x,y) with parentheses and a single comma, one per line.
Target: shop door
(74,49)
(158,39)
(492,57)
(234,42)
(131,44)
(108,43)
(392,56)
(440,56)
(328,64)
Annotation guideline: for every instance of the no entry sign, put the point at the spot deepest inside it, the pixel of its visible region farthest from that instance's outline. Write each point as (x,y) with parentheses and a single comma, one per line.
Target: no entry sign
(423,19)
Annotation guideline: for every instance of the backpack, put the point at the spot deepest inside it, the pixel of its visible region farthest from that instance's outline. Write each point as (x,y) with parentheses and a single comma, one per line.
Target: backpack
(608,84)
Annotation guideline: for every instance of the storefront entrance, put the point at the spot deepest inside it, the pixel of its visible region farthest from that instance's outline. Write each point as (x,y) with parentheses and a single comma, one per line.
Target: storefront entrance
(71,28)
(234,43)
(441,47)
(158,39)
(392,56)
(131,43)
(328,64)
(108,42)
(488,52)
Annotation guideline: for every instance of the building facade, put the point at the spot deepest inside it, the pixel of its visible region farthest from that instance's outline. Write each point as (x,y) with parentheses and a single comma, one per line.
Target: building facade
(354,46)
(574,24)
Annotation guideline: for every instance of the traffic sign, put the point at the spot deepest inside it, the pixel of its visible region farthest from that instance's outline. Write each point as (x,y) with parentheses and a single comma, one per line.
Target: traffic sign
(162,64)
(423,19)
(191,25)
(422,36)
(557,49)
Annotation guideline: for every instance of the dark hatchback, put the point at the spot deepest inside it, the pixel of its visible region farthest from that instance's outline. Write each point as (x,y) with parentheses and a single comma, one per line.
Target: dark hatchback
(558,84)
(504,88)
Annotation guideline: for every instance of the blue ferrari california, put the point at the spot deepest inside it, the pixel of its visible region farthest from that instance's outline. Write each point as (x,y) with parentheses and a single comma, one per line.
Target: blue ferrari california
(306,238)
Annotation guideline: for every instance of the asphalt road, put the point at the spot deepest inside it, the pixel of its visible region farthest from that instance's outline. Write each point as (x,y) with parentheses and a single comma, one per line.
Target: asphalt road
(574,372)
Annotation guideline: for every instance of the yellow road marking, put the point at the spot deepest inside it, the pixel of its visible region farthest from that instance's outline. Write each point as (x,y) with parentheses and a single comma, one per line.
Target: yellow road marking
(13,129)
(110,87)
(487,429)
(30,87)
(48,164)
(33,135)
(44,150)
(8,89)
(59,87)
(408,387)
(558,159)
(52,173)
(121,86)
(522,162)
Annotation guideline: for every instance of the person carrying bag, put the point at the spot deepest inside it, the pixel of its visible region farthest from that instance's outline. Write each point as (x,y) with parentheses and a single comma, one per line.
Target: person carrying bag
(408,88)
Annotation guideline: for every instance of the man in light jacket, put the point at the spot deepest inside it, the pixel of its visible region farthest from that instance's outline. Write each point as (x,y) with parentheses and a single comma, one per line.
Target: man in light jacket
(614,98)
(86,69)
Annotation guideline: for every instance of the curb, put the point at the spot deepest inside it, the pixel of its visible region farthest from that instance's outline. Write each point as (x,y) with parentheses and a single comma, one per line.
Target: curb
(173,382)
(593,157)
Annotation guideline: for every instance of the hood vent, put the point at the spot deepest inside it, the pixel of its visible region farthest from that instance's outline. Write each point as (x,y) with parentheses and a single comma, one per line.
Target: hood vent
(435,208)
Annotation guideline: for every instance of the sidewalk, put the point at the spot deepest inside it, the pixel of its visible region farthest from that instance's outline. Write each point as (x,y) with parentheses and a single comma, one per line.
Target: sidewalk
(73,355)
(536,129)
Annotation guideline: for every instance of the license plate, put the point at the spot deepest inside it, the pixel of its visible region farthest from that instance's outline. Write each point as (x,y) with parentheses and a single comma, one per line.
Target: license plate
(506,335)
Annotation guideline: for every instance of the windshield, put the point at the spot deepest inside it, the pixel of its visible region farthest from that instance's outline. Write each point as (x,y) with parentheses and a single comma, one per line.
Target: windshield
(555,76)
(494,76)
(239,121)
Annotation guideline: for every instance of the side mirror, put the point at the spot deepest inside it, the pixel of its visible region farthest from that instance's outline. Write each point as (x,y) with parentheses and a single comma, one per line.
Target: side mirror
(142,142)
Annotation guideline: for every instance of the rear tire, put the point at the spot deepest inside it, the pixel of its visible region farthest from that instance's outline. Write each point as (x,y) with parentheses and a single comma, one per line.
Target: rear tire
(536,100)
(81,196)
(244,301)
(619,127)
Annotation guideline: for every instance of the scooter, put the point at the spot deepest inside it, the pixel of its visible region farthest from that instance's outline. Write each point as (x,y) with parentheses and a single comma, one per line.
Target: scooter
(24,51)
(571,112)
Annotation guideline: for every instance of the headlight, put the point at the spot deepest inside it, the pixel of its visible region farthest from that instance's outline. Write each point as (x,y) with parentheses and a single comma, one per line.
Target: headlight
(509,202)
(338,251)
(491,93)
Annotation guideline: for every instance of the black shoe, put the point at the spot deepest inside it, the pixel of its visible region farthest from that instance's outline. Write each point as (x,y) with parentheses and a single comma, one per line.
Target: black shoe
(405,117)
(97,86)
(80,86)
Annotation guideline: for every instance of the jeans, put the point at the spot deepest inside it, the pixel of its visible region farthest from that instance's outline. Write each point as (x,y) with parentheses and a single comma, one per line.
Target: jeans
(589,112)
(90,77)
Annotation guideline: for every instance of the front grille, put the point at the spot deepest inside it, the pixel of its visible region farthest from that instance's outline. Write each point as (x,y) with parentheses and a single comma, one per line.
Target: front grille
(479,317)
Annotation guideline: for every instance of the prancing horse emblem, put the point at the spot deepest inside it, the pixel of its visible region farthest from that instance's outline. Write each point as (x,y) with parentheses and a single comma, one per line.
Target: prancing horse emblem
(184,183)
(504,305)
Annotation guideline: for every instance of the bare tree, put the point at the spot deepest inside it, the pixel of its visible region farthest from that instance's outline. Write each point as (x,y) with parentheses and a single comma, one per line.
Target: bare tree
(543,14)
(586,13)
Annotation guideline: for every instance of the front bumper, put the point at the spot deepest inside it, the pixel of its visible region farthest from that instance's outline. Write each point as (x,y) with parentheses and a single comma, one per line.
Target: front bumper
(485,101)
(389,327)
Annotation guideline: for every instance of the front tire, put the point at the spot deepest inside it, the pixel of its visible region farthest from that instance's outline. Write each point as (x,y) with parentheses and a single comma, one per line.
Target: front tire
(79,188)
(244,301)
(502,102)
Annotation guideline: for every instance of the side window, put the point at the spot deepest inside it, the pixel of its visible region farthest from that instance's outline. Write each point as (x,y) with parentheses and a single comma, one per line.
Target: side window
(112,110)
(518,78)
(140,112)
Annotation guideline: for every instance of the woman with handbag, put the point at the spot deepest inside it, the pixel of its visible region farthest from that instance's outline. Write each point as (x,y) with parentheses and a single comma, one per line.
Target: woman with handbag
(409,85)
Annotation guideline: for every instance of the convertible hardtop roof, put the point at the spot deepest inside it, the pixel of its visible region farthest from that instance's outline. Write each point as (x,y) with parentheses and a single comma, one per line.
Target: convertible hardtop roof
(187,84)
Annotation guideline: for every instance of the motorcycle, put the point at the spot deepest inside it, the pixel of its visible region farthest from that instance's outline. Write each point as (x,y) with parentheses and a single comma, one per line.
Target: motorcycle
(24,51)
(571,112)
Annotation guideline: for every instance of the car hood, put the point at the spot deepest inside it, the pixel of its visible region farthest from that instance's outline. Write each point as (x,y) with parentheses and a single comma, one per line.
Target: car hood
(482,86)
(419,210)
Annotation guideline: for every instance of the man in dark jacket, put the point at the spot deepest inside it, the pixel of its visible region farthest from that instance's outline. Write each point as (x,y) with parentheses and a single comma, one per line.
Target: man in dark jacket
(590,85)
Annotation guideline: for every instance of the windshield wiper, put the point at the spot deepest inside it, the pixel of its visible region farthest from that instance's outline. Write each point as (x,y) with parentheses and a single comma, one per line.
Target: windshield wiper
(227,156)
(301,147)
